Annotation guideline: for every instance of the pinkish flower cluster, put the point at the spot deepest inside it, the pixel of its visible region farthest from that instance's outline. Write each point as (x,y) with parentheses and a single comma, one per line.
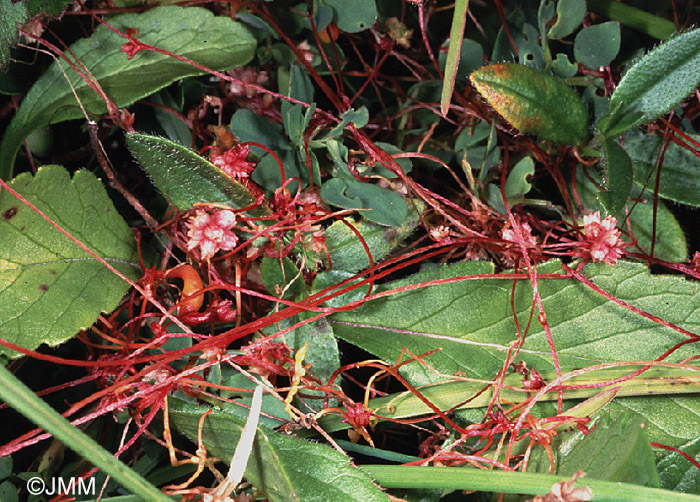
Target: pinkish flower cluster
(211,232)
(233,162)
(603,238)
(246,75)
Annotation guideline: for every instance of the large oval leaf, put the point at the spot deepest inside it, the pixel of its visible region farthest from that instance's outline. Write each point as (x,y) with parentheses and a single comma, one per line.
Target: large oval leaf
(49,287)
(534,102)
(193,32)
(655,84)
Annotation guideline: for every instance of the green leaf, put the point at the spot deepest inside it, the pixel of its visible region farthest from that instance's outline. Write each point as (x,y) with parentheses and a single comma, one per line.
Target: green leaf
(670,244)
(355,16)
(677,473)
(623,433)
(679,180)
(379,204)
(597,45)
(472,321)
(357,118)
(193,32)
(570,14)
(655,84)
(281,467)
(563,68)
(11,15)
(185,178)
(49,287)
(618,176)
(517,182)
(534,102)
(282,275)
(347,252)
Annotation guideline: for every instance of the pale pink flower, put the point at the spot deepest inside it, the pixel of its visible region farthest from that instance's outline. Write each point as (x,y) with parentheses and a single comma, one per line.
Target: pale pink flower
(603,238)
(233,162)
(509,235)
(305,49)
(211,233)
(247,75)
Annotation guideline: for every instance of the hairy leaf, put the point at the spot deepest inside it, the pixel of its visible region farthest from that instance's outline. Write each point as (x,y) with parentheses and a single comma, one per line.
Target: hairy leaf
(186,178)
(193,32)
(49,287)
(679,179)
(655,84)
(282,467)
(618,176)
(534,102)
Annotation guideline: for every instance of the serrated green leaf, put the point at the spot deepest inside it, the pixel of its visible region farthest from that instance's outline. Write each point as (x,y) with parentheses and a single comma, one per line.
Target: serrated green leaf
(534,102)
(472,320)
(679,180)
(282,467)
(597,45)
(618,176)
(50,288)
(355,16)
(655,84)
(11,15)
(193,32)
(570,14)
(185,178)
(670,243)
(346,250)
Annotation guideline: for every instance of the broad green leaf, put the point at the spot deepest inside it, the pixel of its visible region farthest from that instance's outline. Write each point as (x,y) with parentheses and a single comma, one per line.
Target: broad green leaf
(11,15)
(597,45)
(677,473)
(670,242)
(283,468)
(186,178)
(623,433)
(534,102)
(346,250)
(378,204)
(472,321)
(679,180)
(49,287)
(192,32)
(355,16)
(618,176)
(570,14)
(526,39)
(655,84)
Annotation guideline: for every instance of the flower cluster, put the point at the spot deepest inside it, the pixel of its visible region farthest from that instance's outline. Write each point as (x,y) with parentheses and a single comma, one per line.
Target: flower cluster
(603,238)
(211,232)
(246,75)
(233,162)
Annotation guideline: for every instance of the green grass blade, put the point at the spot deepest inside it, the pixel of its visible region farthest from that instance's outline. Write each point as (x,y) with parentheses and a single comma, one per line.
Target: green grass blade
(21,398)
(453,51)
